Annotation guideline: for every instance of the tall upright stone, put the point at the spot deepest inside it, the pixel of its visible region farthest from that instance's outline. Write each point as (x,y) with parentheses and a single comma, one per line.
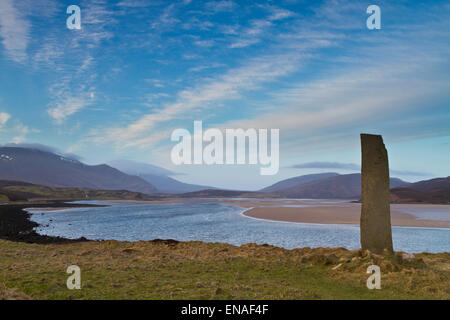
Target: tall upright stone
(376,233)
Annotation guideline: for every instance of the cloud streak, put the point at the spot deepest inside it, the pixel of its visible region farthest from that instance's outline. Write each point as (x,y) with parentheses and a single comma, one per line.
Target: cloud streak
(14,31)
(69,105)
(191,101)
(352,100)
(4,117)
(259,27)
(74,91)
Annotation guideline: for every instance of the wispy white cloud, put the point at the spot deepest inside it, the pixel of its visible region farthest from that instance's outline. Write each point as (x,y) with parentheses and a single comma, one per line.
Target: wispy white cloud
(74,90)
(279,13)
(98,18)
(4,117)
(251,35)
(16,130)
(251,76)
(166,19)
(331,107)
(409,78)
(14,31)
(335,107)
(206,67)
(220,6)
(204,43)
(16,26)
(134,3)
(39,8)
(69,105)
(244,42)
(198,24)
(22,133)
(48,54)
(157,83)
(258,28)
(73,93)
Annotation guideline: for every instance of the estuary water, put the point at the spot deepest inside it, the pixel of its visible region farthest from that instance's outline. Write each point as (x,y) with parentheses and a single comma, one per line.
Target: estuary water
(215,222)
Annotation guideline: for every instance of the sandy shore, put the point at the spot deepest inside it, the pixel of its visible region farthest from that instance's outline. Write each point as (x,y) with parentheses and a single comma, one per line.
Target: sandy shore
(342,214)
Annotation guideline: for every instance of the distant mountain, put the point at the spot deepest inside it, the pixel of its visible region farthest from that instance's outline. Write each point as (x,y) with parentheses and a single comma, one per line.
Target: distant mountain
(296,181)
(50,169)
(138,168)
(347,186)
(427,191)
(432,185)
(170,185)
(157,176)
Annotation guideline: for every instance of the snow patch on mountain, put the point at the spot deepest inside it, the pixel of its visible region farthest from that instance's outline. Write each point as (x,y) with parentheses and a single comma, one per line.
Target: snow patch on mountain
(5,157)
(68,160)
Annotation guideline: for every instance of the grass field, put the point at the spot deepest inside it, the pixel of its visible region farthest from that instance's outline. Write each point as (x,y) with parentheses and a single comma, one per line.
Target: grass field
(195,270)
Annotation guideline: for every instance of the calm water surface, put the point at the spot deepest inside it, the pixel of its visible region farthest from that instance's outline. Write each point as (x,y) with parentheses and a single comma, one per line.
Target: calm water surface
(214,222)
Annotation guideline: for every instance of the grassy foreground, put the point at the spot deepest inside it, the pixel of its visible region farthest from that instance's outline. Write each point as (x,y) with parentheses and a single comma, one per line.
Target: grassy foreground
(195,270)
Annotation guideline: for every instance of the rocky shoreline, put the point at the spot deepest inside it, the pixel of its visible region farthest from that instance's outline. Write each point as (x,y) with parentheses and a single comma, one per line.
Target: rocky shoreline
(15,223)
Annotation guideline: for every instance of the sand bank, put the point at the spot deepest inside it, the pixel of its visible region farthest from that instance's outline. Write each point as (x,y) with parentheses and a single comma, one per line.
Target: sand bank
(342,214)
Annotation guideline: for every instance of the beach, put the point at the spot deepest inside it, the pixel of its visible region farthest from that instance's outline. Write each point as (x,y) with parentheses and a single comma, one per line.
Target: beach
(348,213)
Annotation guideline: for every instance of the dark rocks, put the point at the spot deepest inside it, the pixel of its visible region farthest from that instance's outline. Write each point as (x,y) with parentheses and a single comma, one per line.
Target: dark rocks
(168,242)
(15,224)
(376,234)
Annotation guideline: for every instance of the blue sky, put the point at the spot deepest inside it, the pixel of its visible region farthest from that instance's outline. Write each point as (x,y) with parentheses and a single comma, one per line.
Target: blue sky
(139,69)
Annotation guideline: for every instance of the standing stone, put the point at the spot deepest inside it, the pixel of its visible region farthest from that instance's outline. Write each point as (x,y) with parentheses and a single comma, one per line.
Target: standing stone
(376,234)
